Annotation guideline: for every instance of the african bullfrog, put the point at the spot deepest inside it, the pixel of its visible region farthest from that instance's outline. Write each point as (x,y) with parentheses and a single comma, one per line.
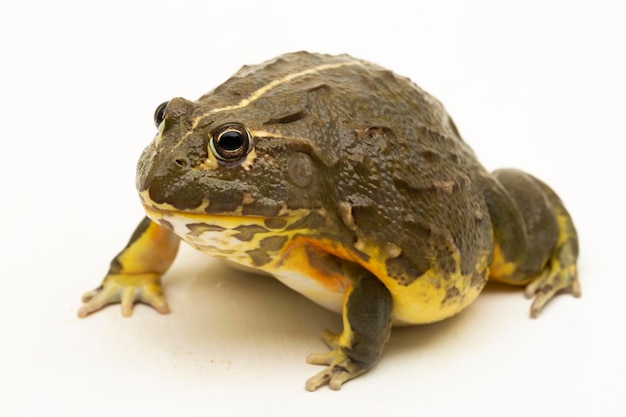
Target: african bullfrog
(351,185)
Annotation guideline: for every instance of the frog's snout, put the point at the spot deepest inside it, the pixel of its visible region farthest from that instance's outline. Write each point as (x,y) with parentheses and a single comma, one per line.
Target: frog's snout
(171,181)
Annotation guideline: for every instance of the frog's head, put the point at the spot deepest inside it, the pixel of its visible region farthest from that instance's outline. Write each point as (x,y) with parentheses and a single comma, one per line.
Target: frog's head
(235,161)
(227,165)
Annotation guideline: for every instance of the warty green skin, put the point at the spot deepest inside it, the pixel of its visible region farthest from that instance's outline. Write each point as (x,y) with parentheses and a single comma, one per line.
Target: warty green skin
(372,141)
(355,173)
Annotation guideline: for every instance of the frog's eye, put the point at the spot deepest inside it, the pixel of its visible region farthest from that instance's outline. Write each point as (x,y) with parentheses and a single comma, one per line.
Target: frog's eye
(159,113)
(231,143)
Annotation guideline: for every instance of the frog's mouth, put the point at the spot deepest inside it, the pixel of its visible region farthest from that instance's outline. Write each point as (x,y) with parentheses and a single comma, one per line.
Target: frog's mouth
(271,244)
(252,241)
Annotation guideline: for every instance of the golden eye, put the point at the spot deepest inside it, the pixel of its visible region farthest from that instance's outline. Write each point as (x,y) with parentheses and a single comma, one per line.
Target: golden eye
(159,113)
(231,143)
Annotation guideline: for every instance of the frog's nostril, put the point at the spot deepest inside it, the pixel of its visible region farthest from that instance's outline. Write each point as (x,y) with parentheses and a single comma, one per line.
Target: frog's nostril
(181,162)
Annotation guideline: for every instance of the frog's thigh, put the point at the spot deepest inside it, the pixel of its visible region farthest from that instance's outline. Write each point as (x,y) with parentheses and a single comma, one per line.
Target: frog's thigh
(525,226)
(367,325)
(535,239)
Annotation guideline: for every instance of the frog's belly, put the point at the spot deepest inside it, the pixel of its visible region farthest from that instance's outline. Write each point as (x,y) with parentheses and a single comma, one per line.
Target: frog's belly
(328,298)
(416,304)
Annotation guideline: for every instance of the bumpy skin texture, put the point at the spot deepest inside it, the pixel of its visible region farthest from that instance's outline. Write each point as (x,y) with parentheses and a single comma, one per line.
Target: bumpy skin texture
(356,181)
(385,164)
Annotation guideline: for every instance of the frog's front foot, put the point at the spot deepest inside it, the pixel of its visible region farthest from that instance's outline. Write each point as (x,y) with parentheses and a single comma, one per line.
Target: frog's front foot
(367,324)
(560,275)
(340,368)
(127,290)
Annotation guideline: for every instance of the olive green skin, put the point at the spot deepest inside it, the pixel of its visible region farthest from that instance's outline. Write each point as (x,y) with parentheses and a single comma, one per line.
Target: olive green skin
(356,139)
(349,184)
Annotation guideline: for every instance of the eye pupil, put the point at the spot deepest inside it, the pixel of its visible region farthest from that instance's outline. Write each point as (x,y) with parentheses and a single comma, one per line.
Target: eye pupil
(231,140)
(159,113)
(231,143)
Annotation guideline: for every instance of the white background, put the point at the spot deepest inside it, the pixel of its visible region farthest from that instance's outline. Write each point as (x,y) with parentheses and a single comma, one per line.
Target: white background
(535,85)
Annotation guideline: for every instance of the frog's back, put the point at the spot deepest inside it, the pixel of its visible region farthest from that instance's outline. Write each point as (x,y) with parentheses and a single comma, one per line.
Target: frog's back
(403,180)
(397,184)
(351,185)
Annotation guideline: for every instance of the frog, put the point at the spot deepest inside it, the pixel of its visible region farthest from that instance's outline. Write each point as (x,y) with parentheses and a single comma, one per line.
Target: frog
(351,185)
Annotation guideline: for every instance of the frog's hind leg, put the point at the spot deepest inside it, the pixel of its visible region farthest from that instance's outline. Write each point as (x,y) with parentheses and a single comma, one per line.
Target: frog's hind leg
(535,239)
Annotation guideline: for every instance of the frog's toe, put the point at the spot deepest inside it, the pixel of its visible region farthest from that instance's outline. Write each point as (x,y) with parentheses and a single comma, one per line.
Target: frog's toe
(126,290)
(95,300)
(150,294)
(340,368)
(333,376)
(553,281)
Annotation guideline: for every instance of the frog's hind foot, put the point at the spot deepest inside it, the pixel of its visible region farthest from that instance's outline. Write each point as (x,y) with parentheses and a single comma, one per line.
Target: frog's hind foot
(536,243)
(560,275)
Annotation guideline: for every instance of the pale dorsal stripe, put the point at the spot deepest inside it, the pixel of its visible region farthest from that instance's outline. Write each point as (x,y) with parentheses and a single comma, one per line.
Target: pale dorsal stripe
(266,88)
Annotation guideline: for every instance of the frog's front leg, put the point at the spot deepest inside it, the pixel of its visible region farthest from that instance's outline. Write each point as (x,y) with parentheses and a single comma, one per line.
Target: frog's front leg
(367,324)
(135,273)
